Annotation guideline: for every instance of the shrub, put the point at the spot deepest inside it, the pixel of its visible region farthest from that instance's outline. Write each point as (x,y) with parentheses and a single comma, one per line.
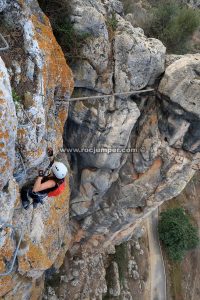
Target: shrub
(177,233)
(16,98)
(112,22)
(173,24)
(70,40)
(121,259)
(127,6)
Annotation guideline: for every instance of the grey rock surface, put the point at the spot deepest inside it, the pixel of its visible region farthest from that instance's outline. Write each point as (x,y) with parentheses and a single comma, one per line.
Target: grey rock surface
(138,60)
(29,117)
(8,127)
(101,132)
(115,49)
(112,190)
(179,89)
(194,3)
(3,5)
(114,289)
(181,83)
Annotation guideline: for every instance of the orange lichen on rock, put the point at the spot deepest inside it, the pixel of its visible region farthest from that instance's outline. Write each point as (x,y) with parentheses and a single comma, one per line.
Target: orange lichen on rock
(6,285)
(2,265)
(62,115)
(52,80)
(4,135)
(7,250)
(153,119)
(6,254)
(37,289)
(42,256)
(36,258)
(36,153)
(56,72)
(21,133)
(7,127)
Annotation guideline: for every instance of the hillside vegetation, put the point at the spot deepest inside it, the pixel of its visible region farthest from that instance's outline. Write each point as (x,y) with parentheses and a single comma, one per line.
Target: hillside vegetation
(172,22)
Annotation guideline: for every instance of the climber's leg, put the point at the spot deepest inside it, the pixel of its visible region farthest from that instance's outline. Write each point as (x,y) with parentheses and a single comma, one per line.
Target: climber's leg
(37,198)
(29,197)
(25,198)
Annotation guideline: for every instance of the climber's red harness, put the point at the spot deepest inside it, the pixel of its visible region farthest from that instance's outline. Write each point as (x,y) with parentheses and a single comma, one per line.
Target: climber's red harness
(59,190)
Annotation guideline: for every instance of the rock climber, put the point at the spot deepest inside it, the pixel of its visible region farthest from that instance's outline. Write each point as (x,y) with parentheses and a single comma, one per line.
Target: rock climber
(51,185)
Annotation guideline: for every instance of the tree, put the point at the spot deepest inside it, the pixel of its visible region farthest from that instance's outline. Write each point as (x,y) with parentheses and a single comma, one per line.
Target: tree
(177,233)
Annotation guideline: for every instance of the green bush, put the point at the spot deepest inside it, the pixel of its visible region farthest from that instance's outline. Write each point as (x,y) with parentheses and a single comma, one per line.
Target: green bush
(16,98)
(173,24)
(177,233)
(121,259)
(127,6)
(112,22)
(70,40)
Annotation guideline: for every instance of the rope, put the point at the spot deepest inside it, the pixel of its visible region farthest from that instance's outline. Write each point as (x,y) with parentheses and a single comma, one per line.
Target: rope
(33,123)
(21,158)
(5,42)
(111,95)
(46,112)
(5,225)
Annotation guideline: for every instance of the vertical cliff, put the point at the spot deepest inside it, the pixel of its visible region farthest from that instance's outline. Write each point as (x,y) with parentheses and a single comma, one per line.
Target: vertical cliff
(35,83)
(113,190)
(150,141)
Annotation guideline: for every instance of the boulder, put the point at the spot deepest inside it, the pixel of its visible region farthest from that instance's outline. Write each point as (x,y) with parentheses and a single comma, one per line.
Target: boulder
(180,117)
(138,60)
(181,84)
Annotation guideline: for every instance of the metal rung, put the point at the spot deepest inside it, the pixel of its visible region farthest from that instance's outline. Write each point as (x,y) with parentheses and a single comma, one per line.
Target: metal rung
(5,225)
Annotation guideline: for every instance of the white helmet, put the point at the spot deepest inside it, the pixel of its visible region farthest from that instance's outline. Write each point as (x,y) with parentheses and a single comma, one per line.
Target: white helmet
(59,170)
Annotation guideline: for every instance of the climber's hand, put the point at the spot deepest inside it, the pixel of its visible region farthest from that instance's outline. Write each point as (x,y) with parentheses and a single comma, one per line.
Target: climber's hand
(41,173)
(50,152)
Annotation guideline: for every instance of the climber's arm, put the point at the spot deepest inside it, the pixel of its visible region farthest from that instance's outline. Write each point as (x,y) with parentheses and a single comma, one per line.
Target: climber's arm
(38,186)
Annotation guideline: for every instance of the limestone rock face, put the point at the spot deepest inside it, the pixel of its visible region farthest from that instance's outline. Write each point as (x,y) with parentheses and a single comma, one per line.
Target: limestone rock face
(114,49)
(113,274)
(101,149)
(157,169)
(181,83)
(117,58)
(35,83)
(2,5)
(180,89)
(102,130)
(128,154)
(8,129)
(38,82)
(138,60)
(44,236)
(83,276)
